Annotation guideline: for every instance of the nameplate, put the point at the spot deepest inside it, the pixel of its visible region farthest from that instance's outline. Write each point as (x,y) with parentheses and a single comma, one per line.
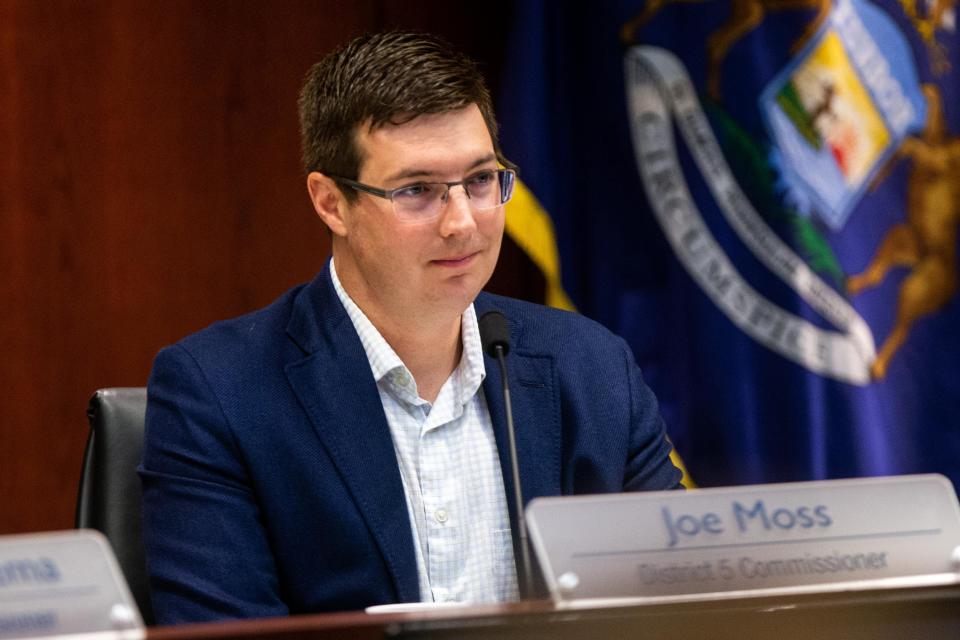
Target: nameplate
(749,540)
(64,583)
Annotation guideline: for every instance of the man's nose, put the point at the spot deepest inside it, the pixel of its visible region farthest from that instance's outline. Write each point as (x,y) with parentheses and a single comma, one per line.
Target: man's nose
(458,215)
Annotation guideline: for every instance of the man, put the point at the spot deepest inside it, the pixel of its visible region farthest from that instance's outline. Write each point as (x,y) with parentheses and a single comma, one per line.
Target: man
(346,445)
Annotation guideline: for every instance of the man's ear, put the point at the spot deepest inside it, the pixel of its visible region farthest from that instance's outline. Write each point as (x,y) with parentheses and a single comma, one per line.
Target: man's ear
(327,201)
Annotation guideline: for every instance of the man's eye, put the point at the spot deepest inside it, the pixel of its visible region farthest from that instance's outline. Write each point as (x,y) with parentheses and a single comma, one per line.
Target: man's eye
(481,178)
(421,190)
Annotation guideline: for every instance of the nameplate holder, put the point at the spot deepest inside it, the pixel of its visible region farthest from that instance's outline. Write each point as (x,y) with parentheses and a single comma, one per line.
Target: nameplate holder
(64,584)
(736,542)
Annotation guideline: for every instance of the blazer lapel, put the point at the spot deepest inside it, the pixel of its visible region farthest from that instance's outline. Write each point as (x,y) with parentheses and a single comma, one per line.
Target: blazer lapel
(535,397)
(336,388)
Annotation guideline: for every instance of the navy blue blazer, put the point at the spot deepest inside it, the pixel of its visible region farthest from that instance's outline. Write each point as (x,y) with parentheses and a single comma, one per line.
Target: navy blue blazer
(270,482)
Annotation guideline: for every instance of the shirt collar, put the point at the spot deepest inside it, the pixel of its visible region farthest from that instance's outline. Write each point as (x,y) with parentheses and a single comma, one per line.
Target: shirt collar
(383,359)
(471,369)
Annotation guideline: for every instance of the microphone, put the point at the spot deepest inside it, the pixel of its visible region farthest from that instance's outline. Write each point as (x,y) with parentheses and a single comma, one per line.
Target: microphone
(495,338)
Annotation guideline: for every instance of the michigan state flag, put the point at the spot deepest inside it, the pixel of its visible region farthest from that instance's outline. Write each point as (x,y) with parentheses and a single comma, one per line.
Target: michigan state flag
(763,198)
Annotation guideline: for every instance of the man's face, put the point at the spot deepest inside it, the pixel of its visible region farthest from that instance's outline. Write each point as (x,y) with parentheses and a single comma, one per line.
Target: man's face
(408,270)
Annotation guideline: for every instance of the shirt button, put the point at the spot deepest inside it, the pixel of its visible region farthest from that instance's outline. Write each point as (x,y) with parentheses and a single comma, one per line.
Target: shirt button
(441,515)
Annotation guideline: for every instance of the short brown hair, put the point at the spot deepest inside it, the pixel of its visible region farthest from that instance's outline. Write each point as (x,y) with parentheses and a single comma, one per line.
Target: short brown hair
(382,78)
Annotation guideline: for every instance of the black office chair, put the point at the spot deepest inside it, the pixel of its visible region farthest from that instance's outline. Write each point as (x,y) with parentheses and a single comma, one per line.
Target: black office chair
(110,498)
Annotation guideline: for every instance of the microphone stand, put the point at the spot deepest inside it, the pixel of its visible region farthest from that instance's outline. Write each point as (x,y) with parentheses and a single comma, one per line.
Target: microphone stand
(526,581)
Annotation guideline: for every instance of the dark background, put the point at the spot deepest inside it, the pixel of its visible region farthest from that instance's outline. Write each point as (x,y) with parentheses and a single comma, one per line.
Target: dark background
(149,185)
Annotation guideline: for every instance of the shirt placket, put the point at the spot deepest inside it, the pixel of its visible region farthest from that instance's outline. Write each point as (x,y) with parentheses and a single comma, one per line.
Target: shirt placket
(440,480)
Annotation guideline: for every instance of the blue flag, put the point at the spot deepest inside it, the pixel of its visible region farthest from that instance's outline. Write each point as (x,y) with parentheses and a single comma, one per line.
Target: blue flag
(763,199)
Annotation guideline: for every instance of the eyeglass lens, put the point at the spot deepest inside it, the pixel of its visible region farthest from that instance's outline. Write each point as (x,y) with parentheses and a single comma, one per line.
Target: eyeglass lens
(486,190)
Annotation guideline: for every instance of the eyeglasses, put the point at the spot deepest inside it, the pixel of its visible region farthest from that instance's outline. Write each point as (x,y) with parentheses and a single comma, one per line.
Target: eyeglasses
(423,201)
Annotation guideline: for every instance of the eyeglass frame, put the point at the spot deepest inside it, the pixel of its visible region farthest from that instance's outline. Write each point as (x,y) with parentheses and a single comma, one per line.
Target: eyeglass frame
(388,194)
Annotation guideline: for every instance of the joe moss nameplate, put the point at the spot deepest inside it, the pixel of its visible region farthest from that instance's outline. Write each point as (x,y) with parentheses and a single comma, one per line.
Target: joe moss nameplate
(750,540)
(64,584)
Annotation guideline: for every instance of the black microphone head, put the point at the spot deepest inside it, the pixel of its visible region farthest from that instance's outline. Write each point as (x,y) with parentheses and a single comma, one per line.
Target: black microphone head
(494,332)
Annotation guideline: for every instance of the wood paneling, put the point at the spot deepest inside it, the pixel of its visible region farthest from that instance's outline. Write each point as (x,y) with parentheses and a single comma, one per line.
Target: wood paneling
(149,185)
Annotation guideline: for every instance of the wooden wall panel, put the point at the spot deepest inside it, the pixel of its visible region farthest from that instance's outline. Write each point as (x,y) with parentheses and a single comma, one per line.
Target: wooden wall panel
(149,185)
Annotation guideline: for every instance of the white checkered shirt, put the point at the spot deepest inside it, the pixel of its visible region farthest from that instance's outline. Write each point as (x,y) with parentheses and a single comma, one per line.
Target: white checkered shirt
(450,470)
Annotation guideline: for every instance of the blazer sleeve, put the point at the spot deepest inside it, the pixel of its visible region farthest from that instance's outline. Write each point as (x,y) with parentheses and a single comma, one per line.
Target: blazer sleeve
(207,553)
(649,467)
